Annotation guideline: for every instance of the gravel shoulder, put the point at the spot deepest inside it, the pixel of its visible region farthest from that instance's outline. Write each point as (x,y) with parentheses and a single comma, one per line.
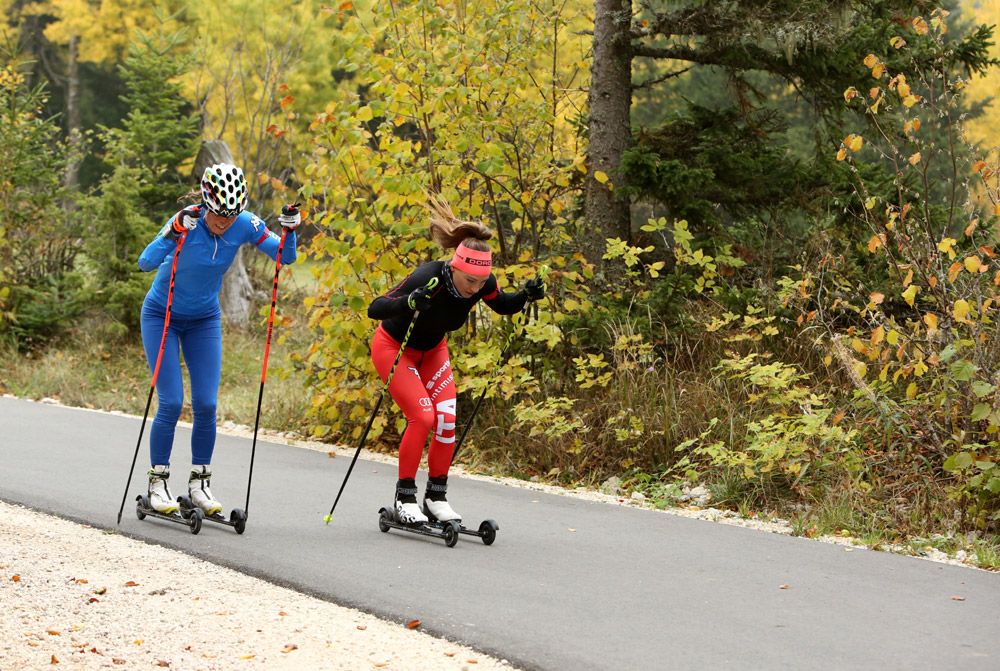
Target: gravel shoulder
(82,598)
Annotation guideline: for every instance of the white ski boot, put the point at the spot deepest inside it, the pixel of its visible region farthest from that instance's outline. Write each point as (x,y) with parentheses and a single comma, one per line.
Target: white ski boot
(436,502)
(160,499)
(198,490)
(407,510)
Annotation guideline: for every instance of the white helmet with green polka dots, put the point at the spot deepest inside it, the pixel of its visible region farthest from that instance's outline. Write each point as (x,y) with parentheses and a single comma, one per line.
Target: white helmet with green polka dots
(224,189)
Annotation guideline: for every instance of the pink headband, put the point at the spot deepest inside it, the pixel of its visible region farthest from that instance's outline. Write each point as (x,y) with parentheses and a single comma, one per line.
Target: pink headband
(472,261)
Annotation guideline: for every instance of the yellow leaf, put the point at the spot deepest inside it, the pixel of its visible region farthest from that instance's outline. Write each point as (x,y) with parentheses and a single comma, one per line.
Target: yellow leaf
(978,166)
(946,245)
(911,390)
(850,93)
(971,227)
(876,298)
(870,203)
(874,91)
(954,270)
(897,42)
(875,242)
(828,359)
(903,89)
(932,280)
(919,25)
(920,368)
(932,322)
(973,263)
(841,154)
(855,142)
(892,337)
(996,209)
(914,159)
(871,60)
(600,176)
(860,368)
(911,294)
(878,335)
(908,279)
(960,310)
(364,113)
(911,100)
(878,71)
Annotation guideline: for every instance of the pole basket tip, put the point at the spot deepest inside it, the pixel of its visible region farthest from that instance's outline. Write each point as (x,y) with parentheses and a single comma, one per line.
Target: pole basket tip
(327,518)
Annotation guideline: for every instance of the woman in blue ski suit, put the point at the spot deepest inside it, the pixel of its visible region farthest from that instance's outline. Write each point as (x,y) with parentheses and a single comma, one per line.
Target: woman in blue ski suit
(216,230)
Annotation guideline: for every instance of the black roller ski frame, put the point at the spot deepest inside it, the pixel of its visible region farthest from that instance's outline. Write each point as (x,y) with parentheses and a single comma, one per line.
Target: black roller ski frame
(446,531)
(237,517)
(487,530)
(192,519)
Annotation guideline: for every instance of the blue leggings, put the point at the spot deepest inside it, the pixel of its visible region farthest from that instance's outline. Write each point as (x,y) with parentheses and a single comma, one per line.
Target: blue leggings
(201,340)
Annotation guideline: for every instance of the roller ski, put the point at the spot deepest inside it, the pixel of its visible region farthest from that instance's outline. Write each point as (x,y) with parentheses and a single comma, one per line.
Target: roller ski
(199,498)
(157,502)
(405,514)
(439,512)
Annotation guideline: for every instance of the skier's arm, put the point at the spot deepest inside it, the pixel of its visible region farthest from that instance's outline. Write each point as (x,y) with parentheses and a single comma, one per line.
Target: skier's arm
(166,241)
(396,302)
(267,241)
(503,303)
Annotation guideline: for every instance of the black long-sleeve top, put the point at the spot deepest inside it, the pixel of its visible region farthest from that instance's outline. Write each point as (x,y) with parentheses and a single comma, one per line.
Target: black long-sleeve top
(447,311)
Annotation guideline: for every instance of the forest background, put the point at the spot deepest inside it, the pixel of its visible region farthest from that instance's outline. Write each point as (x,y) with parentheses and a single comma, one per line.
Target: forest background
(770,229)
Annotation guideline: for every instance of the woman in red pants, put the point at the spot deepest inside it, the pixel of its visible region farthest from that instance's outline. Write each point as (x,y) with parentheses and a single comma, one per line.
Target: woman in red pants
(423,386)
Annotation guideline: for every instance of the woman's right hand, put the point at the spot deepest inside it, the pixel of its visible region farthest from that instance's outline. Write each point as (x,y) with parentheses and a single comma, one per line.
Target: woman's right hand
(184,221)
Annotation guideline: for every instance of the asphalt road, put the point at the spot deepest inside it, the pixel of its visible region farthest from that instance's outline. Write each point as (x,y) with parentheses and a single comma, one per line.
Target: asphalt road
(569,584)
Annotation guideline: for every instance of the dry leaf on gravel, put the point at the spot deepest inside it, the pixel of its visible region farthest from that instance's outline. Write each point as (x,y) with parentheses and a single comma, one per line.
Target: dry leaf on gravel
(290,647)
(361,627)
(54,660)
(53,632)
(16,578)
(413,624)
(131,583)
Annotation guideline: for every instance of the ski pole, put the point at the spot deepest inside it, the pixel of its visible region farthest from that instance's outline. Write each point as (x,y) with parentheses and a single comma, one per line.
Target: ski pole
(285,209)
(156,369)
(542,272)
(378,403)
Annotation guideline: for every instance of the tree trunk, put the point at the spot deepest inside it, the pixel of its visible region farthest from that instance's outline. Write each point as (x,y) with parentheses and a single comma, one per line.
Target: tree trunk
(237,292)
(610,99)
(71,176)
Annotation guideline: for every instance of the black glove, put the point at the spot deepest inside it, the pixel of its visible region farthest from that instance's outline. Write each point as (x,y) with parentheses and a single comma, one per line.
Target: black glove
(184,221)
(420,299)
(290,217)
(535,289)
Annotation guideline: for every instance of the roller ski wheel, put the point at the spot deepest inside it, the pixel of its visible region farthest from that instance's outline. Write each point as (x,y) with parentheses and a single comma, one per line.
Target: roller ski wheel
(448,532)
(192,519)
(237,517)
(488,531)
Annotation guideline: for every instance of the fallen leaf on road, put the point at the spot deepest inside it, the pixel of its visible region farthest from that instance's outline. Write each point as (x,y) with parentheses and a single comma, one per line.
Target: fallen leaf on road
(958,598)
(137,641)
(54,660)
(248,656)
(361,627)
(786,586)
(413,624)
(449,653)
(572,530)
(472,661)
(163,663)
(100,590)
(131,583)
(118,660)
(93,599)
(82,581)
(52,632)
(332,455)
(16,578)
(282,613)
(290,647)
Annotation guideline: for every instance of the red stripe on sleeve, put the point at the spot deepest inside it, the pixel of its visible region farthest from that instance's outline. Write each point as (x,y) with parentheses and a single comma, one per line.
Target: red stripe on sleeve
(490,296)
(262,239)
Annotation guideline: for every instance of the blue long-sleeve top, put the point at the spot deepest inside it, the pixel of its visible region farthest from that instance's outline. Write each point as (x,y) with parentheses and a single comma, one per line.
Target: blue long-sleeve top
(204,259)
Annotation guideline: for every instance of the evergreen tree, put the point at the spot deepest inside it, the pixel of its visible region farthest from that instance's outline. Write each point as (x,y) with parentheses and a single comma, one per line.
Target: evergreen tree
(144,183)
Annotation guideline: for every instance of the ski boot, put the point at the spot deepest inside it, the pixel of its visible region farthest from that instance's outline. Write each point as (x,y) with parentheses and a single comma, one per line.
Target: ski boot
(200,498)
(157,502)
(436,505)
(406,508)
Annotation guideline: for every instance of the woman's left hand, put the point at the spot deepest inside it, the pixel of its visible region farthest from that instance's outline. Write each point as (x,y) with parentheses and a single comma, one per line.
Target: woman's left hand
(535,289)
(290,217)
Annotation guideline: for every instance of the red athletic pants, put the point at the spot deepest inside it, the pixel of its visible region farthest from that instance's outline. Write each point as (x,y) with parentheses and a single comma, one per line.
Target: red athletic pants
(424,389)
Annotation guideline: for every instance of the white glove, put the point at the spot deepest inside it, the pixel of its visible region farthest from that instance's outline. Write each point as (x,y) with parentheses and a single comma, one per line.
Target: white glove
(290,216)
(184,221)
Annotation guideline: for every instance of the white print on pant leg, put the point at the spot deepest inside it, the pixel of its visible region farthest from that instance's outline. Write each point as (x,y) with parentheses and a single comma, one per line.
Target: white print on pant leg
(440,371)
(441,387)
(445,412)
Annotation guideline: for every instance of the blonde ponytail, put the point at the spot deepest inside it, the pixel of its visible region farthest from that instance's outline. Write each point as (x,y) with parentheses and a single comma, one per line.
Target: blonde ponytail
(449,231)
